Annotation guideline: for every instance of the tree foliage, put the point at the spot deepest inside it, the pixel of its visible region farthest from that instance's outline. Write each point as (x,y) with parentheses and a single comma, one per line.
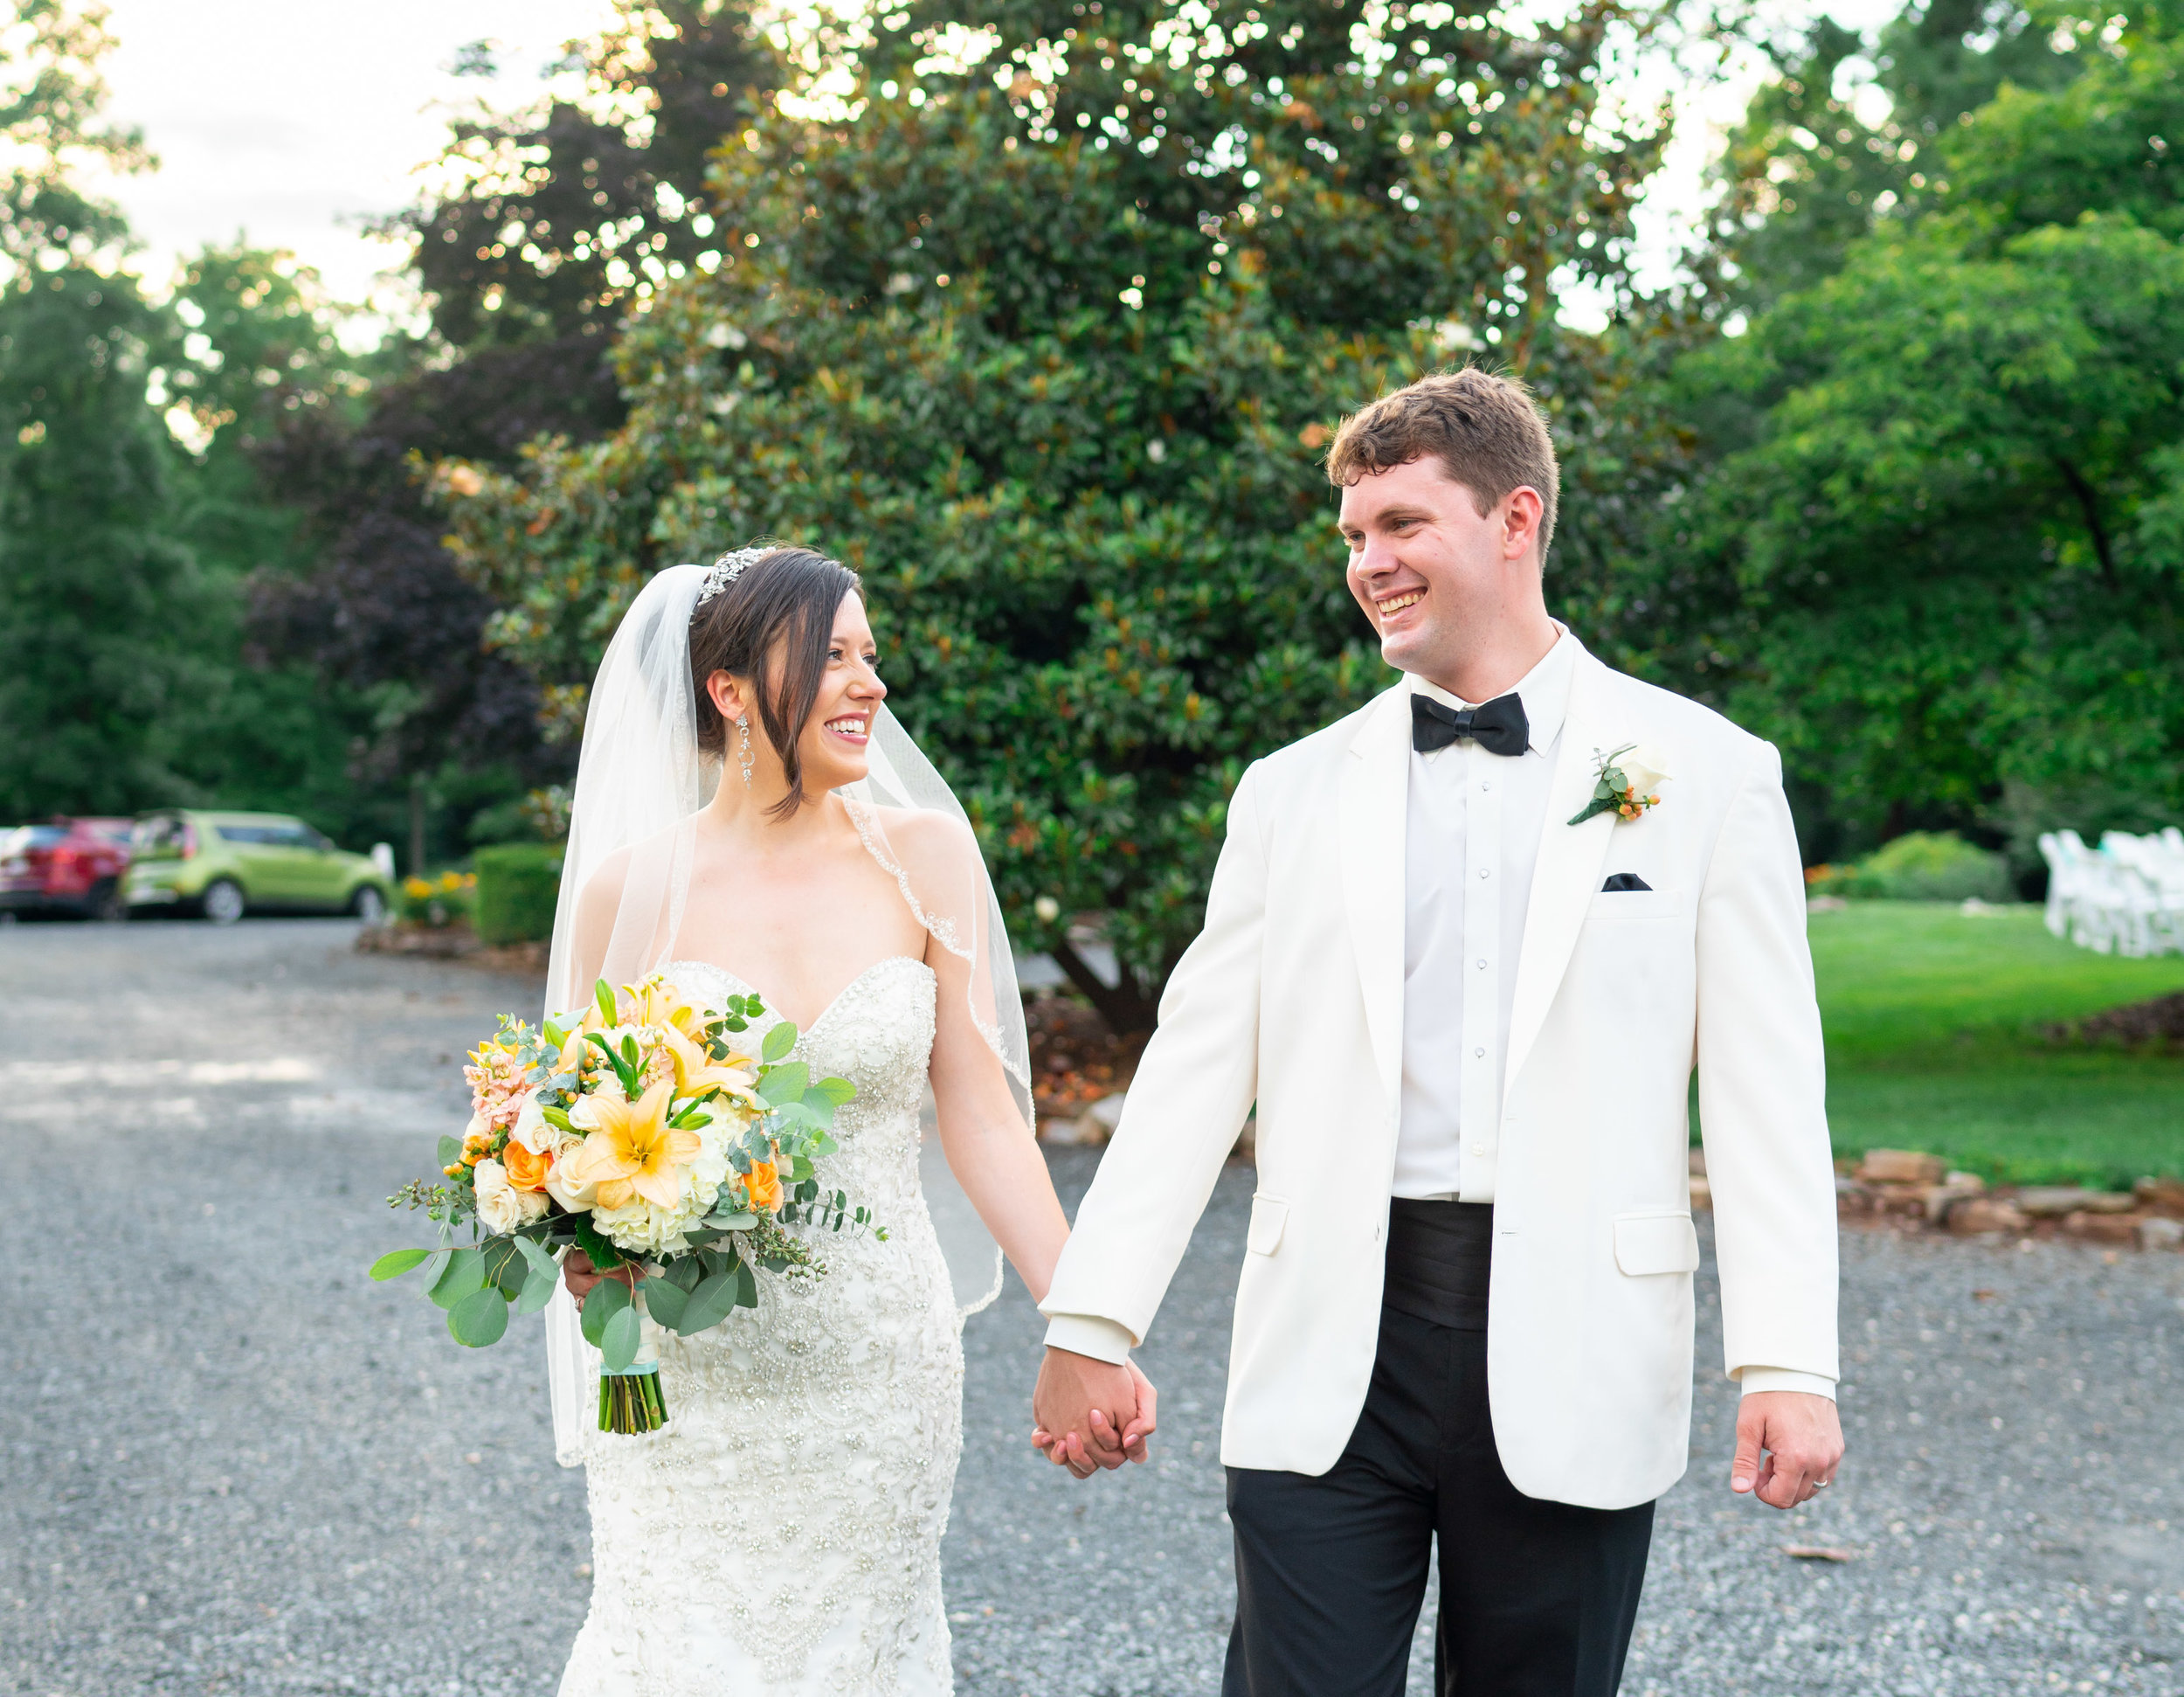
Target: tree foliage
(1045,337)
(1936,552)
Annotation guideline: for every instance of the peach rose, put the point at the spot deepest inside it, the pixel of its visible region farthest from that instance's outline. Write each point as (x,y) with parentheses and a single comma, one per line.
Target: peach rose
(525,1170)
(762,1185)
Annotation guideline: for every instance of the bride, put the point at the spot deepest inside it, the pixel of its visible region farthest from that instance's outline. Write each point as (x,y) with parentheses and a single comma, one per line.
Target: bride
(749,820)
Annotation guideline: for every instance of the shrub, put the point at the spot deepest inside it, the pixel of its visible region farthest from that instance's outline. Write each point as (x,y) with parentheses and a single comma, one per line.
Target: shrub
(1929,866)
(518,883)
(437,902)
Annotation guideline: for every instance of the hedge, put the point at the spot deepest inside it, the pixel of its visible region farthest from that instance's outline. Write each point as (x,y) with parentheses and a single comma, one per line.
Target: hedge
(518,885)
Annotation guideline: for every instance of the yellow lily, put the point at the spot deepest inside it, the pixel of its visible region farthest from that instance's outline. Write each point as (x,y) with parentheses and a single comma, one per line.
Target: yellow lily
(697,1074)
(632,1151)
(657,1002)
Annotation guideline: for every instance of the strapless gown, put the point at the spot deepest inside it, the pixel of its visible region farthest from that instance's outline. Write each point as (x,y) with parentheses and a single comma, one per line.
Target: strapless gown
(781,1533)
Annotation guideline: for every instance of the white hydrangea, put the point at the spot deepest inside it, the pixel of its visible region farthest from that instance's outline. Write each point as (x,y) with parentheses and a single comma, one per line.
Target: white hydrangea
(643,1229)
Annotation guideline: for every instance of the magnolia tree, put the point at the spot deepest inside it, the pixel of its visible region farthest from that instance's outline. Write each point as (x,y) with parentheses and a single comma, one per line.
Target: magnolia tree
(1043,332)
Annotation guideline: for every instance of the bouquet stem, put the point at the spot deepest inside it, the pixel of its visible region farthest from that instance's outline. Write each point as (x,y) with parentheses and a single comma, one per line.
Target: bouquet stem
(630,1398)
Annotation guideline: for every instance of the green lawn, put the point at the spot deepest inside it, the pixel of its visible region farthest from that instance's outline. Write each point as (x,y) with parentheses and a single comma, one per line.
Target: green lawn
(1932,1021)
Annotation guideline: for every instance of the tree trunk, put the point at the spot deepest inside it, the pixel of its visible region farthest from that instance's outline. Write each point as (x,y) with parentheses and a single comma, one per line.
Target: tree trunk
(1124,1009)
(417,828)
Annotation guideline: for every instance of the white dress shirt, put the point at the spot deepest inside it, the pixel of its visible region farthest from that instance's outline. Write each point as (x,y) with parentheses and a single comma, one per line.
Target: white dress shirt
(1473,828)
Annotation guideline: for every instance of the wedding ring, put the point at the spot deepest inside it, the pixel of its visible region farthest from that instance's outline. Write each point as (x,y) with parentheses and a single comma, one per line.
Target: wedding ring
(1821,1485)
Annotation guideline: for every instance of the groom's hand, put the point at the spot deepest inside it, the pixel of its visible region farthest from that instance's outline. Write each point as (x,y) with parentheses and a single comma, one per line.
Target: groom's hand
(1091,1414)
(1789,1444)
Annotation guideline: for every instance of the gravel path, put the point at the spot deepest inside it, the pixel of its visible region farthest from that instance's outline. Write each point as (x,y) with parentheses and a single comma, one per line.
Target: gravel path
(231,1464)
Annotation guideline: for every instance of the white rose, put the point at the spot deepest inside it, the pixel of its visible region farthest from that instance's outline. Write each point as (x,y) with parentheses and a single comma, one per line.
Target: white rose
(500,1205)
(535,1134)
(1643,770)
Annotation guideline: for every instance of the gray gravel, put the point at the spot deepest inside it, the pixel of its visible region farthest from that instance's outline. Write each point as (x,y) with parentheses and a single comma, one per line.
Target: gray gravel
(231,1464)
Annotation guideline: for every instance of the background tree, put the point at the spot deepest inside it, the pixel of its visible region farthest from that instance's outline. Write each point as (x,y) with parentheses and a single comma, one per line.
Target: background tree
(1934,547)
(551,222)
(1046,339)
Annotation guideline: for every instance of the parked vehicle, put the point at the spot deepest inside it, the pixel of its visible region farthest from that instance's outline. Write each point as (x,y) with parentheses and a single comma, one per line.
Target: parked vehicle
(68,866)
(223,865)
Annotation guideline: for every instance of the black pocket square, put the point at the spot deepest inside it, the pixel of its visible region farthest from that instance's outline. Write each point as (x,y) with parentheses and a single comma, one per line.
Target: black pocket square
(1622,880)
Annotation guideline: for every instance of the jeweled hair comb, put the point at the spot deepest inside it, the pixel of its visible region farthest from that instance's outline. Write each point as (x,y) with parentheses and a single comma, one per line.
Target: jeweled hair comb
(726,570)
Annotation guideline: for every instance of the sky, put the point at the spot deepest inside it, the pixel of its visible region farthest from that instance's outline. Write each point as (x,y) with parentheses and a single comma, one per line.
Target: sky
(292,123)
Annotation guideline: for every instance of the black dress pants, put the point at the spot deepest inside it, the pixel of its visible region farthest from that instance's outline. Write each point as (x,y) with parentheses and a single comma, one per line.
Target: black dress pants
(1537,1598)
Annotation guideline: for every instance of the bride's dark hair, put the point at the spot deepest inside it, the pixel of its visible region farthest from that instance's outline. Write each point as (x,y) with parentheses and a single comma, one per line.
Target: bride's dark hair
(789,597)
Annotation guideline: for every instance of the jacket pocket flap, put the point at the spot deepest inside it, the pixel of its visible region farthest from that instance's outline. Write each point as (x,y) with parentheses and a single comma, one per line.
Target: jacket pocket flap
(1269,1215)
(1658,1243)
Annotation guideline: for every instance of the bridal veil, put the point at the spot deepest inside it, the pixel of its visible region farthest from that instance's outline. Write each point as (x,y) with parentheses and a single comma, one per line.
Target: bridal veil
(641,778)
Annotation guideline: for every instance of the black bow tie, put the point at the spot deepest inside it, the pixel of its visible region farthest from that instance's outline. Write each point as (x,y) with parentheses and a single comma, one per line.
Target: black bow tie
(1499,727)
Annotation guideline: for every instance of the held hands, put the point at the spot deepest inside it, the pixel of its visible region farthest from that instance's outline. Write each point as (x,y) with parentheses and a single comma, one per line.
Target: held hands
(1091,1414)
(1789,1444)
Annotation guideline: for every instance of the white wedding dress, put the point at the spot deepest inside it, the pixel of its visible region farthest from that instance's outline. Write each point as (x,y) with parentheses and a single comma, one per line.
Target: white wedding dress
(781,1534)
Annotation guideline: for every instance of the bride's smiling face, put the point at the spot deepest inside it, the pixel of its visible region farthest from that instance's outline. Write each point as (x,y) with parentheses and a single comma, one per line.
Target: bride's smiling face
(833,746)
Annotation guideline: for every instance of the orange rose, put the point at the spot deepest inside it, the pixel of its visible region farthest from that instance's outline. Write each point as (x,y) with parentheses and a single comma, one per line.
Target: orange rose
(762,1185)
(526,1171)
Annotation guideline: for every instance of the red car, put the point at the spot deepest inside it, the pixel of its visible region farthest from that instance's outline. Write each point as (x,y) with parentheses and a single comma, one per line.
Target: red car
(70,866)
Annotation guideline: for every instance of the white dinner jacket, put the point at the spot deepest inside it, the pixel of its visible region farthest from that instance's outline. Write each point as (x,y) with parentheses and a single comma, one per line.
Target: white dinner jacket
(1292,997)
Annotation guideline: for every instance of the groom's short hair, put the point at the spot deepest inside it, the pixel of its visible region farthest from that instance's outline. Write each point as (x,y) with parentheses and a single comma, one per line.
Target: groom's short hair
(1486,430)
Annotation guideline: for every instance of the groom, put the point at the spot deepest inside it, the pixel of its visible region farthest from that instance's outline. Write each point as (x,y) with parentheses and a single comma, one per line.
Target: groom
(1467,994)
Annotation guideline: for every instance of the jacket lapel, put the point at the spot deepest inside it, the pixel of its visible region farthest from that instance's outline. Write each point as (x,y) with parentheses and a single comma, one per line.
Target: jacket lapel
(1567,871)
(1375,795)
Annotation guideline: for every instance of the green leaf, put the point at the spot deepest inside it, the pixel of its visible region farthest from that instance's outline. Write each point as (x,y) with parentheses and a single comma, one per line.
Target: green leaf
(395,1263)
(665,1301)
(465,1272)
(746,1286)
(618,1340)
(780,1041)
(710,1304)
(451,1149)
(732,1222)
(782,1084)
(837,1090)
(479,1318)
(538,1256)
(608,1298)
(595,1244)
(604,994)
(538,1291)
(506,1268)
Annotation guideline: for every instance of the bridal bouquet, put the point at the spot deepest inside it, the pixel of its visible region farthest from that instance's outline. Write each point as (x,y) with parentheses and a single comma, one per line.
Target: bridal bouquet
(639,1133)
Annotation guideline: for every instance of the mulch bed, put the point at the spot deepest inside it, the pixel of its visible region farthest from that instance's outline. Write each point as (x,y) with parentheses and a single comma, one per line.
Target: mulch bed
(2158,1022)
(457,943)
(1075,1059)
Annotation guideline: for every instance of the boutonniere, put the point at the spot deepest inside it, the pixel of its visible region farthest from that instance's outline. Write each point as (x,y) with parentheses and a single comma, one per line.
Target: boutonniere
(1629,778)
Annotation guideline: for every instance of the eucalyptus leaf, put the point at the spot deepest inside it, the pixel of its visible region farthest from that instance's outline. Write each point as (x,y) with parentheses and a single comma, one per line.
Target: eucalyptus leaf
(617,1342)
(837,1090)
(451,1149)
(786,1083)
(537,1254)
(746,1286)
(732,1222)
(395,1263)
(506,1268)
(464,1273)
(780,1041)
(479,1318)
(608,1298)
(710,1304)
(538,1291)
(665,1301)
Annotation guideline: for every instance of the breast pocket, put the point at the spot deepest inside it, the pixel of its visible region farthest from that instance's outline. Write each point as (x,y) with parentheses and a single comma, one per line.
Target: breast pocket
(1614,905)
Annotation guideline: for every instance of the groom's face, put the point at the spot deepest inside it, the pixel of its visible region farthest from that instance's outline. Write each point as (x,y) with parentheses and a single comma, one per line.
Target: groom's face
(1428,568)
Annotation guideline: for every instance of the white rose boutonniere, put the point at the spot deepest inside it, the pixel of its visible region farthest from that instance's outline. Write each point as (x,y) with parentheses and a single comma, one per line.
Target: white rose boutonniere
(1630,779)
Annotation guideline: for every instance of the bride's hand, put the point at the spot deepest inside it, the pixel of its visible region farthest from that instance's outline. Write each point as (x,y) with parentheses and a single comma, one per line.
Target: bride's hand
(1142,1425)
(579,1275)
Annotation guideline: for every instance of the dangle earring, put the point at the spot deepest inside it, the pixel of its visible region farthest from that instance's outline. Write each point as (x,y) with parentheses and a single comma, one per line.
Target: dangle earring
(742,753)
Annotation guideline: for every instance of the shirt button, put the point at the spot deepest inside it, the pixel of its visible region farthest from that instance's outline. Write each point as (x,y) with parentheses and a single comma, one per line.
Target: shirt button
(1478,1149)
(1480,1053)
(1482,966)
(1485,783)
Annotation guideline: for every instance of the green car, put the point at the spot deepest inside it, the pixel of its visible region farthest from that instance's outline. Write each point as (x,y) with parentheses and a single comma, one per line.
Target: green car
(223,865)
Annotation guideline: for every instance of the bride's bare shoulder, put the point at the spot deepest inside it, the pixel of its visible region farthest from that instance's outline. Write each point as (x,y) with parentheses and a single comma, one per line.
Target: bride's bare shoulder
(925,840)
